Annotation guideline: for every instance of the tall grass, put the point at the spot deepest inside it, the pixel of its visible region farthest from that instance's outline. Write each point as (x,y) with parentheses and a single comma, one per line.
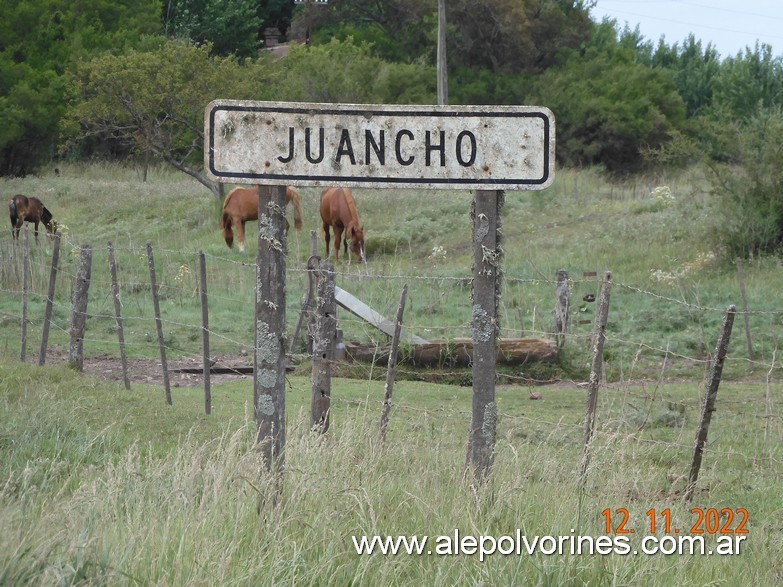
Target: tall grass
(103,486)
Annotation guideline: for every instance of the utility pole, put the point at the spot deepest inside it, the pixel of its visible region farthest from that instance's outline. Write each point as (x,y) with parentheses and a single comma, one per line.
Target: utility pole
(443,76)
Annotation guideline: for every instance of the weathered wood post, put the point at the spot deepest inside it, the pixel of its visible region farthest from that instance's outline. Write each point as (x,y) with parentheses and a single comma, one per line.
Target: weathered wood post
(25,285)
(323,348)
(708,407)
(205,331)
(599,337)
(306,313)
(115,294)
(391,368)
(269,355)
(745,313)
(159,324)
(50,299)
(561,308)
(487,273)
(442,67)
(79,316)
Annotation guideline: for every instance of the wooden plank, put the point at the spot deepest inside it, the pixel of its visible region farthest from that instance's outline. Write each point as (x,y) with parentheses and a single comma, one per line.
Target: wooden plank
(358,308)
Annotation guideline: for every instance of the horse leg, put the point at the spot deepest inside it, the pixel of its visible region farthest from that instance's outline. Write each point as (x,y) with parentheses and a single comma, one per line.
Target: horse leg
(338,238)
(326,238)
(35,222)
(241,235)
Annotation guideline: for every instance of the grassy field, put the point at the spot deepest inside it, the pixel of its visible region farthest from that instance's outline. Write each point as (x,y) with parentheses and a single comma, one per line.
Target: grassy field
(100,485)
(106,486)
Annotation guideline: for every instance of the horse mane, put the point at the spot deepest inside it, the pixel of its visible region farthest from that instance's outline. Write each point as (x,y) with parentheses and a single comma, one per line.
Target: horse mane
(229,196)
(46,216)
(351,208)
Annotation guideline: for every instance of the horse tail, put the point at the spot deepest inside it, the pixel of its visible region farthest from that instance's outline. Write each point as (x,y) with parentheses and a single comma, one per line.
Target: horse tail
(13,212)
(297,207)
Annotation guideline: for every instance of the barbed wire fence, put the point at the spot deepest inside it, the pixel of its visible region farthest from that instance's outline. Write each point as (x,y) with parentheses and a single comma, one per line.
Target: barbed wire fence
(438,308)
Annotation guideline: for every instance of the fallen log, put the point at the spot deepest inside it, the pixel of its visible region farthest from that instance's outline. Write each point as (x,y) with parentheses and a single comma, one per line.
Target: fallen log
(456,352)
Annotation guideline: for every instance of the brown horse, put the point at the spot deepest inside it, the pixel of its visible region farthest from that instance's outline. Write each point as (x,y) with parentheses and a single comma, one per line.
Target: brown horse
(23,209)
(241,205)
(338,210)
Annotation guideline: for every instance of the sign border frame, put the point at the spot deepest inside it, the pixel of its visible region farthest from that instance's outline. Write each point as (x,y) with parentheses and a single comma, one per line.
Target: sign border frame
(364,110)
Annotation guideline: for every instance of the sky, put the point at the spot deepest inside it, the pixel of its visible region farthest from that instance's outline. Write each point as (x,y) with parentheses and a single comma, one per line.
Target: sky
(730,25)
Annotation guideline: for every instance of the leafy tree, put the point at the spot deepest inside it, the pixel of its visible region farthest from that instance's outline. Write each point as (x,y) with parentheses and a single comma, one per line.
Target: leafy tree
(748,81)
(397,30)
(515,36)
(747,186)
(154,100)
(39,40)
(609,109)
(695,72)
(342,71)
(231,26)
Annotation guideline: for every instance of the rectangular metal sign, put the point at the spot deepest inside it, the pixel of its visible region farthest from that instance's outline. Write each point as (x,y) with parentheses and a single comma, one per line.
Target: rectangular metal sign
(310,144)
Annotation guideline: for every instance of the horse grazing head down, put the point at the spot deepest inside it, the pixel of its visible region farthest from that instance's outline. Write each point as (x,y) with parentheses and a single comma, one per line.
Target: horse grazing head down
(241,205)
(338,211)
(356,235)
(23,209)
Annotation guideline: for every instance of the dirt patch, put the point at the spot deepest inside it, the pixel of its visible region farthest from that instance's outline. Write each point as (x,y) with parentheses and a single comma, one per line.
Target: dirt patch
(182,372)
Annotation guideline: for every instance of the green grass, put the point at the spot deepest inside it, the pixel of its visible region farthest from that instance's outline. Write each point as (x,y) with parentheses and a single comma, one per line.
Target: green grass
(99,485)
(104,486)
(669,295)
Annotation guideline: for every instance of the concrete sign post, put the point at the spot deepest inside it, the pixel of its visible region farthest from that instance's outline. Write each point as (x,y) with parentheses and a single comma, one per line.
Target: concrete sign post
(302,144)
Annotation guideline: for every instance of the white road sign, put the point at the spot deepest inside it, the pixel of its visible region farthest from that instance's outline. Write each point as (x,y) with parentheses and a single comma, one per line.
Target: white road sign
(309,144)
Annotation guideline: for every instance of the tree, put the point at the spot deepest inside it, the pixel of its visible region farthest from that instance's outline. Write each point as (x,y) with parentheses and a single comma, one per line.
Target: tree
(230,26)
(748,81)
(747,185)
(609,109)
(155,100)
(515,36)
(397,30)
(342,71)
(39,40)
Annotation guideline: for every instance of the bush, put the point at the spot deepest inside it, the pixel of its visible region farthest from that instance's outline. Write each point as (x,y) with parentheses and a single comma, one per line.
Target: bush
(747,186)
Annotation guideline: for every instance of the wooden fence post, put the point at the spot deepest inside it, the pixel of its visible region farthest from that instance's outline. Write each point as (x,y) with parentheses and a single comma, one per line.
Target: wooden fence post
(392,366)
(25,282)
(487,258)
(115,294)
(205,331)
(323,348)
(561,308)
(708,407)
(269,354)
(49,299)
(79,318)
(307,305)
(745,314)
(599,337)
(159,324)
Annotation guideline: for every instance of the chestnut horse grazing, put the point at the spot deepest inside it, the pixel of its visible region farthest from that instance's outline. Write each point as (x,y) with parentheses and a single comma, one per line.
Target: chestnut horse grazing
(241,205)
(23,209)
(338,210)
